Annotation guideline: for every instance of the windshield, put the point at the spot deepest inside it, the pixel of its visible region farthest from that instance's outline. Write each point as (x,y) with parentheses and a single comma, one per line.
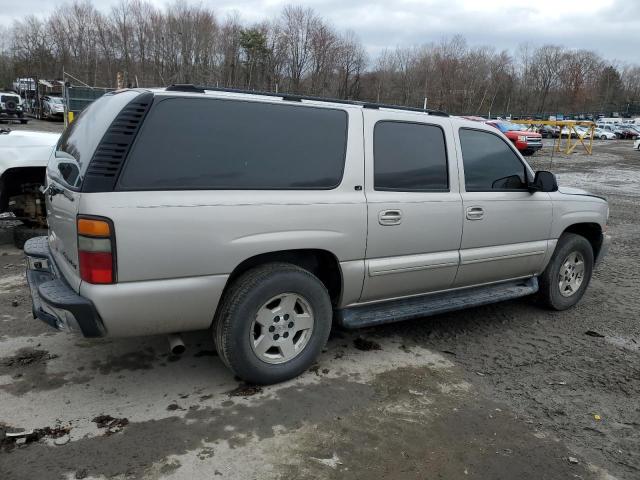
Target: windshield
(56,100)
(80,139)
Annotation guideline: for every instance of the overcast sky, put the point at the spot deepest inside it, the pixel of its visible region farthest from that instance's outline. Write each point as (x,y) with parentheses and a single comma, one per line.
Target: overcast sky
(610,27)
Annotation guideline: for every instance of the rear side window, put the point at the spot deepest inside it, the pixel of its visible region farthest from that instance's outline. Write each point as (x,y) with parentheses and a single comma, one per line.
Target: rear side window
(409,157)
(80,139)
(188,143)
(489,163)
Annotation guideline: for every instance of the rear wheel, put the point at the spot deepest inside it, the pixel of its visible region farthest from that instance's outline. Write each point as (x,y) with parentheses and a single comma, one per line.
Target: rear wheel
(603,137)
(567,276)
(273,323)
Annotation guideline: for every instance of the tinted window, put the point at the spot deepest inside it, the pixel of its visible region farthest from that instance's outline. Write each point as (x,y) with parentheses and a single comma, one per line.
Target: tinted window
(409,157)
(188,143)
(489,163)
(80,139)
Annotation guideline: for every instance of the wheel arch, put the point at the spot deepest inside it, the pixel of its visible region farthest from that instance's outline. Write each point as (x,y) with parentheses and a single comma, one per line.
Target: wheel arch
(322,263)
(591,231)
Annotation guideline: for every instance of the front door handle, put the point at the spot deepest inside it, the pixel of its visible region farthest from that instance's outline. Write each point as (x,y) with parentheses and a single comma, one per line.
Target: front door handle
(475,213)
(390,217)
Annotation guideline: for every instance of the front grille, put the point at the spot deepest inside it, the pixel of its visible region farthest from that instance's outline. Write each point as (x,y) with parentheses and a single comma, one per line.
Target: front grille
(534,140)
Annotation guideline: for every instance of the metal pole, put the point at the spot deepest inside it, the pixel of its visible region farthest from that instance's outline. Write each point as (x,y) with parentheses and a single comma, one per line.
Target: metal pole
(66,100)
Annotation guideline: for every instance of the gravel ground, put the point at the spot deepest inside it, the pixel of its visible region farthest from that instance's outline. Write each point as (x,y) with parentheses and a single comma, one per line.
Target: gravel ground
(502,391)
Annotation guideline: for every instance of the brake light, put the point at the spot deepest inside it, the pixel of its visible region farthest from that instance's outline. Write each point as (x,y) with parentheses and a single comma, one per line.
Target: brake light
(96,250)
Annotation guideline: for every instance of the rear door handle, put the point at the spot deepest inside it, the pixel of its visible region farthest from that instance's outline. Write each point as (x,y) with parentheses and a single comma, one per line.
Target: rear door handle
(390,217)
(475,213)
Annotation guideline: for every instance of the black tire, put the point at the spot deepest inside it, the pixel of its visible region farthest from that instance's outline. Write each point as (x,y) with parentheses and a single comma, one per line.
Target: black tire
(603,137)
(549,293)
(22,233)
(232,326)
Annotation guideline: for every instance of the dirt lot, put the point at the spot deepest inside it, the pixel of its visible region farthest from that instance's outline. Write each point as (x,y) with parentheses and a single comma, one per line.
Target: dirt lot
(499,392)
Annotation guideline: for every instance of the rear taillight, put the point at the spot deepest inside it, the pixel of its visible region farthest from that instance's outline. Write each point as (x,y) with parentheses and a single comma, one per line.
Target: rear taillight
(96,250)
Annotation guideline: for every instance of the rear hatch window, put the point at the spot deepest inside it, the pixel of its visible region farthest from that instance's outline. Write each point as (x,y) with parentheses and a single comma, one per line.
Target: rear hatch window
(81,138)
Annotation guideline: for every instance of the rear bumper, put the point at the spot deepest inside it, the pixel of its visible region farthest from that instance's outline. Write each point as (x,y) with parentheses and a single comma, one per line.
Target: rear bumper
(53,300)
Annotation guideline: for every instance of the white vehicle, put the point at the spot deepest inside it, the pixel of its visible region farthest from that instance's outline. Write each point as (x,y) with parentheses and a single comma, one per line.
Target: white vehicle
(603,134)
(23,161)
(583,132)
(609,120)
(636,144)
(52,107)
(11,106)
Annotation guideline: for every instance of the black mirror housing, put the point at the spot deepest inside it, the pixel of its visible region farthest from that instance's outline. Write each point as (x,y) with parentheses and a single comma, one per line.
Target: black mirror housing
(544,181)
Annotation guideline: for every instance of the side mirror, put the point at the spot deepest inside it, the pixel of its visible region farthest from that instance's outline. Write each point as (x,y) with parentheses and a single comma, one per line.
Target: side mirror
(543,182)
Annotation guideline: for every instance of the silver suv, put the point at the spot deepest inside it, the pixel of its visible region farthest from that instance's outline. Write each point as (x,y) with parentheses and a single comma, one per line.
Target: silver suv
(268,218)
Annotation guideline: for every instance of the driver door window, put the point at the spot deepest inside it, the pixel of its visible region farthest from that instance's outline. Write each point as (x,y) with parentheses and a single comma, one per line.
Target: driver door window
(489,163)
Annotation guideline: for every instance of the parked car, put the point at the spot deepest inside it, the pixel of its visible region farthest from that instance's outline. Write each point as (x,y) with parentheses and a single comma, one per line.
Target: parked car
(583,132)
(636,144)
(548,131)
(578,131)
(285,214)
(603,134)
(635,129)
(52,107)
(625,132)
(23,160)
(566,131)
(11,106)
(526,142)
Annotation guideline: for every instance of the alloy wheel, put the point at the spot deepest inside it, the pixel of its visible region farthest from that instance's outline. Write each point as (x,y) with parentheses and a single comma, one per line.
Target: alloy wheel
(571,274)
(282,328)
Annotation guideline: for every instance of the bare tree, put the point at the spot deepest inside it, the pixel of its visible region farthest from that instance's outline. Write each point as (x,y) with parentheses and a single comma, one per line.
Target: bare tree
(298,25)
(298,51)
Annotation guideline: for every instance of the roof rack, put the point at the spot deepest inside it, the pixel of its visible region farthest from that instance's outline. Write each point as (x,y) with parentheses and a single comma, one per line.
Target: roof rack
(184,87)
(187,87)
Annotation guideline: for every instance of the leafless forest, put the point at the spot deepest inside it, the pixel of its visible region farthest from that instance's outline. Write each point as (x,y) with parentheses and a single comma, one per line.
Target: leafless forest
(299,52)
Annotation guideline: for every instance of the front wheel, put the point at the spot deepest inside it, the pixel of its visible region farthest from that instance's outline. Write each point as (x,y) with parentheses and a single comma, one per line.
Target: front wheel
(603,137)
(567,276)
(273,323)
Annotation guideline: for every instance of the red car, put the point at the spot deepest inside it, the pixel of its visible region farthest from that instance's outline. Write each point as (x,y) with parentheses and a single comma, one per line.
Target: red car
(526,141)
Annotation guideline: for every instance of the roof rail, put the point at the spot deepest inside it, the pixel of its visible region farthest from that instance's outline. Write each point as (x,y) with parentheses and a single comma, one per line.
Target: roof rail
(185,87)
